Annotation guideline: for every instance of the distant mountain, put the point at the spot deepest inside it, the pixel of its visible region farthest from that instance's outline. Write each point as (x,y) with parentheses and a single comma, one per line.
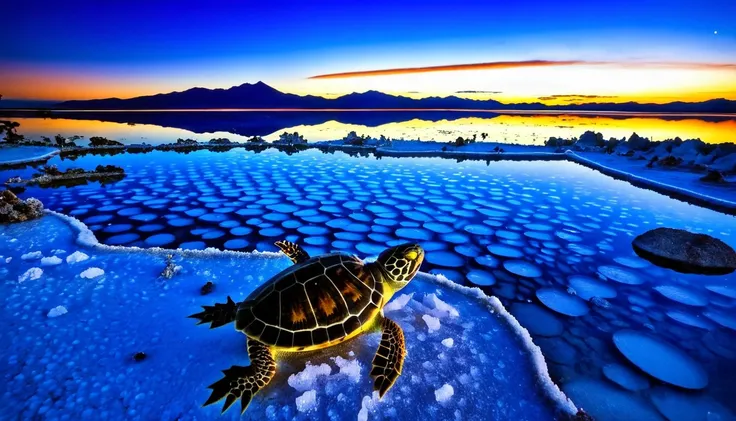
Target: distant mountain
(261,96)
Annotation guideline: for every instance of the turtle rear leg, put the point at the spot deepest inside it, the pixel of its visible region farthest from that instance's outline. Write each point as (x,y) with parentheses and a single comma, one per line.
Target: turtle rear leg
(389,357)
(218,314)
(244,382)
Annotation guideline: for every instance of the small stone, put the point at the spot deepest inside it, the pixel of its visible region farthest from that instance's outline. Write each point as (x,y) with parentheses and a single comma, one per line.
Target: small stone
(139,356)
(207,288)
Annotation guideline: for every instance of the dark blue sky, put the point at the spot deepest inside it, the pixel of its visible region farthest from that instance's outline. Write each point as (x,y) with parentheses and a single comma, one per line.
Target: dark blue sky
(219,43)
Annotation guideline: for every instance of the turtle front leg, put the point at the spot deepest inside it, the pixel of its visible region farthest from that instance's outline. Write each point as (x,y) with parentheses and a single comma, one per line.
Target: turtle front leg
(389,357)
(244,382)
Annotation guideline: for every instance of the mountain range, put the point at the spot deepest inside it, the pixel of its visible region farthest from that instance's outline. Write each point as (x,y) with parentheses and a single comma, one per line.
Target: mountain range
(263,96)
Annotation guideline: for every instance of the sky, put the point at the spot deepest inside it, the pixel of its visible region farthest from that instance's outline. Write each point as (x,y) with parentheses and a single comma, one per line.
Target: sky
(555,52)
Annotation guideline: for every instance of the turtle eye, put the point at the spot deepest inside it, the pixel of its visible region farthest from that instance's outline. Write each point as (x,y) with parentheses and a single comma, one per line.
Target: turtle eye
(411,255)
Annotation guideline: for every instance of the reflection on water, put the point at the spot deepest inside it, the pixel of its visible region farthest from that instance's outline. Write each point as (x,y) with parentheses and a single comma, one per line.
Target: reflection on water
(164,127)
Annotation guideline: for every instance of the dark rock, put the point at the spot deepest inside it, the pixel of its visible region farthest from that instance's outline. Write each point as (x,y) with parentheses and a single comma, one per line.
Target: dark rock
(686,252)
(713,177)
(96,141)
(582,416)
(637,142)
(139,356)
(207,288)
(591,139)
(187,142)
(220,141)
(12,209)
(670,161)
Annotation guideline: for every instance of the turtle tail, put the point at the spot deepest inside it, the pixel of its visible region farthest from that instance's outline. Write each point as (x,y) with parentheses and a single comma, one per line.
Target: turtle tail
(218,314)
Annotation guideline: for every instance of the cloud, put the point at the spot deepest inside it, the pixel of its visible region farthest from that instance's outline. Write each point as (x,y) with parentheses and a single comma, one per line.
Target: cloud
(478,92)
(522,64)
(574,97)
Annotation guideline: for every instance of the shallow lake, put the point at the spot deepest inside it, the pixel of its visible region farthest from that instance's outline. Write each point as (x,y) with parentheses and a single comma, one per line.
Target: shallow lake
(552,240)
(529,129)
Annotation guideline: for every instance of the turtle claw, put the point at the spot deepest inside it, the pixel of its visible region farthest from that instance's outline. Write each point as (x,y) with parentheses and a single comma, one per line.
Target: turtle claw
(217,315)
(244,382)
(232,386)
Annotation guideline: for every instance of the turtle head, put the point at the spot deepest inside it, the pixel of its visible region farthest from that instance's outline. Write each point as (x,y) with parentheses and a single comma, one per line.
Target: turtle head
(400,264)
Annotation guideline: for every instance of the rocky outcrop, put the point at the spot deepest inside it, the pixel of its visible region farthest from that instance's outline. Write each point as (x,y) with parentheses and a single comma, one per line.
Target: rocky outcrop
(591,139)
(13,209)
(638,143)
(96,141)
(713,177)
(686,252)
(50,176)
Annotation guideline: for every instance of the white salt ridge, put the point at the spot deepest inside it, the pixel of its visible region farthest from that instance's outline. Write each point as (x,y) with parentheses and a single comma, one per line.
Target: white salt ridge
(444,393)
(77,256)
(90,273)
(31,275)
(34,255)
(50,261)
(449,342)
(398,303)
(57,311)
(305,379)
(433,323)
(307,401)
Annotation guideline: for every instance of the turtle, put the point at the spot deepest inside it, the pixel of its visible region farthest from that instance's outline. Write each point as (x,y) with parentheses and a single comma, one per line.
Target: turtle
(316,303)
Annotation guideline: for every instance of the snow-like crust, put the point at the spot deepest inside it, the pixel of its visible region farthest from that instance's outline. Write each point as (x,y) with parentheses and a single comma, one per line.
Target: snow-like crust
(30,159)
(535,354)
(87,238)
(675,192)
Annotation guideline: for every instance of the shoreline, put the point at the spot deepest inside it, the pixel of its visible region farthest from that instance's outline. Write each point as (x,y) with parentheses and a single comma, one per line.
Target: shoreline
(715,197)
(509,111)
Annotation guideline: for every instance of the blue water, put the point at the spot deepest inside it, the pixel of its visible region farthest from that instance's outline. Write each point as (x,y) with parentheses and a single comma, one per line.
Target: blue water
(529,233)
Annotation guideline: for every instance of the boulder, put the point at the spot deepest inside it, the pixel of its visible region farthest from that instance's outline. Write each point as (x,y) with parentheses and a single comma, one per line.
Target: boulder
(713,177)
(686,252)
(12,209)
(726,164)
(689,150)
(637,142)
(591,139)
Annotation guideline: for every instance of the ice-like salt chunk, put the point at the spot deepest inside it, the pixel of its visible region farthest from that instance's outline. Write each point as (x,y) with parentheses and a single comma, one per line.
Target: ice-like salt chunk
(307,401)
(444,393)
(76,257)
(350,368)
(449,342)
(398,303)
(304,380)
(368,403)
(31,275)
(8,259)
(90,273)
(57,311)
(442,308)
(32,255)
(433,323)
(50,261)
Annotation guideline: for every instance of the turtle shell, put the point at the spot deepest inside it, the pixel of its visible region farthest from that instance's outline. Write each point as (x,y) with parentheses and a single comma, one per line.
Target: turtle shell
(312,304)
